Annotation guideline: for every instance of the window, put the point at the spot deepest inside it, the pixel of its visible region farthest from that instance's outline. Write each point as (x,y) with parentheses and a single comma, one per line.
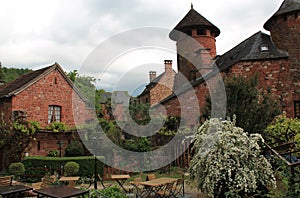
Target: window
(297,109)
(201,32)
(264,48)
(18,115)
(54,113)
(39,145)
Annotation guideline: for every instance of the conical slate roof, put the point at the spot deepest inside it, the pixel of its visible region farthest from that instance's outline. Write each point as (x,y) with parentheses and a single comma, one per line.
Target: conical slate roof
(193,19)
(286,7)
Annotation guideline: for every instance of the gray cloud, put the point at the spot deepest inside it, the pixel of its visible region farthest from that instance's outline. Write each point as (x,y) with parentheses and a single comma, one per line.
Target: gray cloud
(34,33)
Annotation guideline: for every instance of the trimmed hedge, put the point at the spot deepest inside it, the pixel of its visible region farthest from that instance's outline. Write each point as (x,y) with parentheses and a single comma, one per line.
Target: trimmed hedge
(37,167)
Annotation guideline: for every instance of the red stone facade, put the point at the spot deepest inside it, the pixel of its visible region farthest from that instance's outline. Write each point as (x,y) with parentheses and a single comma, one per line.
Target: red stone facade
(160,87)
(48,141)
(280,74)
(50,88)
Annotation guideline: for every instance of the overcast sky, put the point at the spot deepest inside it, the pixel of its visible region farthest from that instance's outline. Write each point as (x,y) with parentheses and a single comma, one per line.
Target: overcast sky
(37,33)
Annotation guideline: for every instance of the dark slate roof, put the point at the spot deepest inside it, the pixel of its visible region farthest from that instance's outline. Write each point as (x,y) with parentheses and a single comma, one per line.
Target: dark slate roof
(26,80)
(286,7)
(250,49)
(193,19)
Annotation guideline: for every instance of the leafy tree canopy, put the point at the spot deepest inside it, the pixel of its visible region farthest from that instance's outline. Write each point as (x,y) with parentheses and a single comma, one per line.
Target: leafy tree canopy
(254,108)
(283,130)
(10,74)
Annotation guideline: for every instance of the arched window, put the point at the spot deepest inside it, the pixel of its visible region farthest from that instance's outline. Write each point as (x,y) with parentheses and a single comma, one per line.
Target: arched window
(54,113)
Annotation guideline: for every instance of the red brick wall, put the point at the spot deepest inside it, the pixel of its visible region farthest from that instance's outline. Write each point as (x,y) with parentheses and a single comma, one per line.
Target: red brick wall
(285,32)
(162,89)
(35,100)
(47,141)
(273,74)
(187,47)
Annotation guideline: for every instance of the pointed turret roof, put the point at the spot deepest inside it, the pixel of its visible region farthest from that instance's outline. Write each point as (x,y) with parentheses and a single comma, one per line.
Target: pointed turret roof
(286,7)
(193,19)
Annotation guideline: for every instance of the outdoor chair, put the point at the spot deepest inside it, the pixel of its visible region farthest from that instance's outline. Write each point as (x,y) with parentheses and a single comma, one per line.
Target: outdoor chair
(46,181)
(177,190)
(6,180)
(166,190)
(139,190)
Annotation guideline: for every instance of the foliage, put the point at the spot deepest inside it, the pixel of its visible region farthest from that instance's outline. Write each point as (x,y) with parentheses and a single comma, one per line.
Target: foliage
(139,113)
(254,108)
(71,168)
(140,144)
(27,127)
(74,149)
(57,127)
(15,138)
(228,162)
(10,74)
(53,153)
(282,130)
(112,191)
(85,85)
(16,169)
(35,165)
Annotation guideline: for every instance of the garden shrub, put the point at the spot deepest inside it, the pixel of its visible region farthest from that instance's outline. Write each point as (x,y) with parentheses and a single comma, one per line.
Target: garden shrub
(37,166)
(71,168)
(17,169)
(75,149)
(283,130)
(228,162)
(57,127)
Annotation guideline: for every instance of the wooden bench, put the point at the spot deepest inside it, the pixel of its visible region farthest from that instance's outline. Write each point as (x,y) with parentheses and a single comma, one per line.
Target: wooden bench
(6,180)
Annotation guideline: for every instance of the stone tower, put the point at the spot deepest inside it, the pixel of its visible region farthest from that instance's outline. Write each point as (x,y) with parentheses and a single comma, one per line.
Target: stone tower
(196,44)
(284,27)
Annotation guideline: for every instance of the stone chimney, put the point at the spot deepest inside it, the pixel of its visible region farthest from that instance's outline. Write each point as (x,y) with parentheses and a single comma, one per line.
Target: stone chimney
(152,75)
(168,66)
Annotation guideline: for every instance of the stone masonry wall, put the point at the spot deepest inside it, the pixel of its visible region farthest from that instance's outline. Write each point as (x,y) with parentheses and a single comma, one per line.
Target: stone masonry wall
(50,90)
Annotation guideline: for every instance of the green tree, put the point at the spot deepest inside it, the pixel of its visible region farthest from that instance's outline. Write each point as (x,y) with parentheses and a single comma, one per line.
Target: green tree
(14,139)
(282,130)
(85,84)
(254,108)
(10,74)
(228,162)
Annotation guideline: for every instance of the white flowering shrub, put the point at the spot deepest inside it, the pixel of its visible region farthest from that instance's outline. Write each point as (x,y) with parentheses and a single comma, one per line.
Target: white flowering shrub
(228,162)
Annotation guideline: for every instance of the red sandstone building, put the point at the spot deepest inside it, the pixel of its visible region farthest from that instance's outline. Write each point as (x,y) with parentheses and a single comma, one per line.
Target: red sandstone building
(159,87)
(275,58)
(46,95)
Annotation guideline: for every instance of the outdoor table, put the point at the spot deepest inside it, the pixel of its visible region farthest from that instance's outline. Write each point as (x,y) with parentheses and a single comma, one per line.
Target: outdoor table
(71,180)
(13,191)
(60,191)
(120,179)
(156,185)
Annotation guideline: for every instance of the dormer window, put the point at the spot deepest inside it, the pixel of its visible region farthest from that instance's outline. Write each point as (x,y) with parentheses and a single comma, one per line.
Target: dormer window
(264,48)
